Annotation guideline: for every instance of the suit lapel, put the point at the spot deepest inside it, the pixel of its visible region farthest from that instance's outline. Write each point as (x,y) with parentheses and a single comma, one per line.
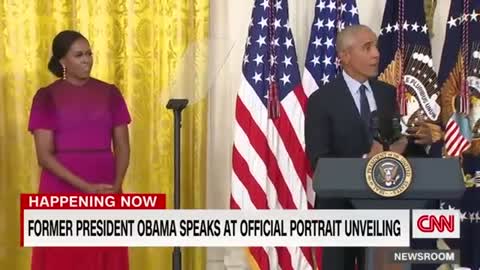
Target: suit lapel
(384,107)
(377,95)
(351,112)
(350,108)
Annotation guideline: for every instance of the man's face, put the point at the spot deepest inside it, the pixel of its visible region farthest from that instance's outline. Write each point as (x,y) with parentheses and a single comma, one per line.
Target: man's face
(362,56)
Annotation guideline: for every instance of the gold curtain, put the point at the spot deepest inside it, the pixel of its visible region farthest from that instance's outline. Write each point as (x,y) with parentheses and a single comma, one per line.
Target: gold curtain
(151,50)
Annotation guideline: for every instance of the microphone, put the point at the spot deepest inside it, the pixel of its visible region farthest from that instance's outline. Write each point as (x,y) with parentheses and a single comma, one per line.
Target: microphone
(375,129)
(375,126)
(396,128)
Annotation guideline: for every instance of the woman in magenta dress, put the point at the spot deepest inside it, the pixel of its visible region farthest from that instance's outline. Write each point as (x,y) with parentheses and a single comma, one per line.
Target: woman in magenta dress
(76,121)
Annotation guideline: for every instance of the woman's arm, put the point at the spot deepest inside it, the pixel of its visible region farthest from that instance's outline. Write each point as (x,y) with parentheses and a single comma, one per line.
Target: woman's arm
(46,159)
(121,147)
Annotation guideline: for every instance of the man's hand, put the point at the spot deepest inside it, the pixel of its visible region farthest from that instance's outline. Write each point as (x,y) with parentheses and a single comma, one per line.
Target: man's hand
(375,149)
(425,133)
(399,145)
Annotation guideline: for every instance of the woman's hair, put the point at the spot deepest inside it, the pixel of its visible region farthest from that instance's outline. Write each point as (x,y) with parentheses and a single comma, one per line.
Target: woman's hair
(60,46)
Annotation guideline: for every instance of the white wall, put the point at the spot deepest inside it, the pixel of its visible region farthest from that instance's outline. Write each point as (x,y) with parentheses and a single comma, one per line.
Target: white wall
(229,21)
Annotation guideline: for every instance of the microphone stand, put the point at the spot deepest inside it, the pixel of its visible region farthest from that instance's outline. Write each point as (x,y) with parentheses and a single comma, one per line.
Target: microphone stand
(397,130)
(386,142)
(177,105)
(386,145)
(375,127)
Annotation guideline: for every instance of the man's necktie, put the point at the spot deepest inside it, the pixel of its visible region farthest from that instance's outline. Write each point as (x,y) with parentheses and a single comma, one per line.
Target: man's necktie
(365,112)
(364,106)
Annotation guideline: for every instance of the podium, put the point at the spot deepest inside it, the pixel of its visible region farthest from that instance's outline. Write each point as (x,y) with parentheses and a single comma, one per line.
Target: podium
(345,178)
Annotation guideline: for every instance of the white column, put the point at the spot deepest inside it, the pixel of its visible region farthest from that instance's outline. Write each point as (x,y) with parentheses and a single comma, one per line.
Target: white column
(235,259)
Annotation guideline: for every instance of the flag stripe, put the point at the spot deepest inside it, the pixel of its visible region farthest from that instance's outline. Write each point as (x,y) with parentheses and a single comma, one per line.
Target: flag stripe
(452,136)
(302,99)
(306,258)
(240,167)
(295,152)
(288,152)
(458,143)
(292,116)
(457,140)
(452,133)
(301,257)
(261,257)
(259,254)
(318,256)
(308,82)
(260,144)
(284,258)
(463,147)
(233,203)
(285,161)
(254,141)
(257,166)
(241,198)
(451,127)
(450,124)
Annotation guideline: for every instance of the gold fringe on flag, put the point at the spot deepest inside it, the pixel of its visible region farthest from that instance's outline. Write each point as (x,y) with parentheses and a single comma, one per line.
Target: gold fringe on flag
(429,7)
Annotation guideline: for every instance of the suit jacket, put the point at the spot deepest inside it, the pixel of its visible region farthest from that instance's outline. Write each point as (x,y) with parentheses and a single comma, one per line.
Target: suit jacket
(334,128)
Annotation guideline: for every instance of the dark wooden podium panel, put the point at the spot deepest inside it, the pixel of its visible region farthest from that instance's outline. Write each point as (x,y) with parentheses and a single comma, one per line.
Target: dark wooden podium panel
(432,179)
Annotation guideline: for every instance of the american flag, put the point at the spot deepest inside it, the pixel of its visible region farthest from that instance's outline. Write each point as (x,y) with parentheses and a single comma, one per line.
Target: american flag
(457,135)
(460,61)
(405,53)
(270,167)
(321,63)
(459,64)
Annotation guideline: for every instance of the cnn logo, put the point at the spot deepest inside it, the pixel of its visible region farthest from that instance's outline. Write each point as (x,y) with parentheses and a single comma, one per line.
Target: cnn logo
(436,223)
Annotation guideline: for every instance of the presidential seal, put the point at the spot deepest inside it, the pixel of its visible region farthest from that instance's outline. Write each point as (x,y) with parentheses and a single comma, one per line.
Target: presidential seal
(388,174)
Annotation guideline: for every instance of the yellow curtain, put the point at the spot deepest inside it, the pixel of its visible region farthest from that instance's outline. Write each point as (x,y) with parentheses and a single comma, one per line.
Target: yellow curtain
(151,50)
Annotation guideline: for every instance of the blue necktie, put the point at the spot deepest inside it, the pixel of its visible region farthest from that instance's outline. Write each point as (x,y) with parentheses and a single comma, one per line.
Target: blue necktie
(365,112)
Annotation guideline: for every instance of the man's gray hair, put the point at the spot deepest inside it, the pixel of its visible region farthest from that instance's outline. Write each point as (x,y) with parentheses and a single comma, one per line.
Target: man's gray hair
(345,38)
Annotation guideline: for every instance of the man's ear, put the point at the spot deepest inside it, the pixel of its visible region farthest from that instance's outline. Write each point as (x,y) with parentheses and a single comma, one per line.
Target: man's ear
(344,56)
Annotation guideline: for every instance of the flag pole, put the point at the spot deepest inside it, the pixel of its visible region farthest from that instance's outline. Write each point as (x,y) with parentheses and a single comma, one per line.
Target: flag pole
(177,105)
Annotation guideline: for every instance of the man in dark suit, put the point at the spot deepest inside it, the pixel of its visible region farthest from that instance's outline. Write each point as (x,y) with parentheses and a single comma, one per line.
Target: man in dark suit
(339,114)
(338,122)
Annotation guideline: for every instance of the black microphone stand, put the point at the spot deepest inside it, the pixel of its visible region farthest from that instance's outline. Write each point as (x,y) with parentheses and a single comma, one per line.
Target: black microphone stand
(177,105)
(375,129)
(396,131)
(386,145)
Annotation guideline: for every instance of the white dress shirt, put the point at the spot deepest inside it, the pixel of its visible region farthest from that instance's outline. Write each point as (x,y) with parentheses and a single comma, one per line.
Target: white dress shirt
(354,87)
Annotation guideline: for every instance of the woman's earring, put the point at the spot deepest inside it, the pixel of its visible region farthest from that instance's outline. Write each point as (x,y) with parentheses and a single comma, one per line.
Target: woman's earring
(64,72)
